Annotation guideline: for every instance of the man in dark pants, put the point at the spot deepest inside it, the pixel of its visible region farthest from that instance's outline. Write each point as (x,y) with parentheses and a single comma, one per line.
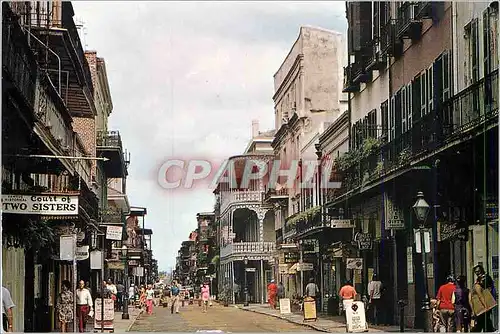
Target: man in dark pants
(375,294)
(119,296)
(484,281)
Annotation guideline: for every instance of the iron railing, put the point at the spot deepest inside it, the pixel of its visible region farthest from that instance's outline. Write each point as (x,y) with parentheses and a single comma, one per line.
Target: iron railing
(17,58)
(405,17)
(466,112)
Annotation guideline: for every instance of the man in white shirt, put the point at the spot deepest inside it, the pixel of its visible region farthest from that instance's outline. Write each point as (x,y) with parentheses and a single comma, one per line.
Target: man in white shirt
(7,304)
(83,305)
(375,293)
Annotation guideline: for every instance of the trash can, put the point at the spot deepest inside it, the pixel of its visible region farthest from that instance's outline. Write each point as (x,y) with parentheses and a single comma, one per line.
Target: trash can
(333,305)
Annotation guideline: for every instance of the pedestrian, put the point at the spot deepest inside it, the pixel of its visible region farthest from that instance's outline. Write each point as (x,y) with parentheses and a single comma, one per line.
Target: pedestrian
(174,291)
(460,299)
(83,305)
(272,291)
(482,321)
(120,288)
(150,294)
(131,292)
(375,294)
(205,296)
(142,298)
(112,289)
(445,304)
(64,306)
(7,314)
(312,291)
(348,294)
(281,291)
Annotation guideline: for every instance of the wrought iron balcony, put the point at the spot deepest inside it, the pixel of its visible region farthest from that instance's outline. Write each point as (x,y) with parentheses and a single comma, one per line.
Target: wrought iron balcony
(18,62)
(407,25)
(360,73)
(109,145)
(349,85)
(273,195)
(375,60)
(389,43)
(239,196)
(248,248)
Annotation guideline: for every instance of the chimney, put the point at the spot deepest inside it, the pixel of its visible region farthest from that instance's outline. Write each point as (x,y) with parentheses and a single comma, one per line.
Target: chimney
(255,128)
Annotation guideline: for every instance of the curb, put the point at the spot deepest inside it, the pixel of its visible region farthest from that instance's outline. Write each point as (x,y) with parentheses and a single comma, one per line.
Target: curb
(133,321)
(317,328)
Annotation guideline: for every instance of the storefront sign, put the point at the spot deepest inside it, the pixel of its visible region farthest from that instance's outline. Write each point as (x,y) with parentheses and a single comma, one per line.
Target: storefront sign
(49,205)
(82,253)
(305,266)
(393,215)
(96,260)
(285,306)
(409,265)
(451,231)
(116,265)
(114,233)
(356,318)
(310,246)
(291,257)
(354,263)
(342,223)
(364,241)
(283,268)
(133,263)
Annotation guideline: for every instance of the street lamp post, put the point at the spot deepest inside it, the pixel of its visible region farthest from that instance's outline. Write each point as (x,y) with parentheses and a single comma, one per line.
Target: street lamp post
(421,209)
(125,314)
(246,282)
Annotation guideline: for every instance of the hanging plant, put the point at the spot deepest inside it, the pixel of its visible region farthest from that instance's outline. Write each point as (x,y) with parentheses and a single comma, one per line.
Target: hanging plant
(405,156)
(28,234)
(309,214)
(369,146)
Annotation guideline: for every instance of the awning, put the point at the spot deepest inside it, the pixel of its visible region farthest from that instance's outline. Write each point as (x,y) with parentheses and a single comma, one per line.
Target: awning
(293,269)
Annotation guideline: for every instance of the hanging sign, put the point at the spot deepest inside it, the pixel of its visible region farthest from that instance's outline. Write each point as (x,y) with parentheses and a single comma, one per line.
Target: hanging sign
(354,263)
(393,217)
(67,247)
(114,232)
(49,205)
(82,253)
(96,260)
(426,235)
(364,241)
(409,265)
(451,231)
(342,223)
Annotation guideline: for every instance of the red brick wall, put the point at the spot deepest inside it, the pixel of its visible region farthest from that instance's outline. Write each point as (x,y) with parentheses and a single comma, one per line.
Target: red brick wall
(92,60)
(419,56)
(85,127)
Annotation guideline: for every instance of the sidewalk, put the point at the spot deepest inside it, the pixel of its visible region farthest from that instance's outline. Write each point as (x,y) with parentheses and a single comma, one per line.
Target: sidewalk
(325,324)
(120,325)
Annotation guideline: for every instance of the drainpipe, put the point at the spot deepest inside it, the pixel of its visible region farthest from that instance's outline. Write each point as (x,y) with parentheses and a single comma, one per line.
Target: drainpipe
(454,46)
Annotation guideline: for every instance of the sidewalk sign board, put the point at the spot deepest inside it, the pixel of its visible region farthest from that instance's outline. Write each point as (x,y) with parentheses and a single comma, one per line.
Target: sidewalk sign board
(309,309)
(285,306)
(356,318)
(109,314)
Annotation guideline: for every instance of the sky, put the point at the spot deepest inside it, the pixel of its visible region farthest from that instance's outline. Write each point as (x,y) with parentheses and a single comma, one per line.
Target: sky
(186,80)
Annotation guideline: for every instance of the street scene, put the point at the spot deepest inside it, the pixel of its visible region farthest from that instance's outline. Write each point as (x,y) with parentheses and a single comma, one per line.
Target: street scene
(225,167)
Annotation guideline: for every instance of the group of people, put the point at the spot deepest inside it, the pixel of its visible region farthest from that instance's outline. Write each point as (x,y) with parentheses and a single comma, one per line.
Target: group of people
(274,293)
(456,308)
(172,296)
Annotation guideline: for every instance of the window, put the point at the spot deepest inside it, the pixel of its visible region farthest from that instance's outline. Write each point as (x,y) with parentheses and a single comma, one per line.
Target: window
(392,119)
(406,108)
(384,110)
(490,39)
(471,33)
(371,124)
(430,89)
(446,76)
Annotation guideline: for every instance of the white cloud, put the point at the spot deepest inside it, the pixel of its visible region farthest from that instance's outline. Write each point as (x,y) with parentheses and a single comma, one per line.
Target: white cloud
(186,80)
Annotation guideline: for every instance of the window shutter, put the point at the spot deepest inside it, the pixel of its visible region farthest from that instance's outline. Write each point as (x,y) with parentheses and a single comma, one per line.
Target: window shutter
(397,114)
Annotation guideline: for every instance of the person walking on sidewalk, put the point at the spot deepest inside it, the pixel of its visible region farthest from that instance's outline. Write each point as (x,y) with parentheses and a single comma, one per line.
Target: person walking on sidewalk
(348,294)
(445,305)
(205,296)
(7,307)
(281,291)
(83,305)
(64,306)
(460,299)
(272,290)
(375,294)
(174,291)
(120,289)
(150,294)
(312,291)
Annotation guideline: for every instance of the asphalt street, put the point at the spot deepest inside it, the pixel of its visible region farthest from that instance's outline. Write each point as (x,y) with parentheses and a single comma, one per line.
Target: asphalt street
(218,318)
